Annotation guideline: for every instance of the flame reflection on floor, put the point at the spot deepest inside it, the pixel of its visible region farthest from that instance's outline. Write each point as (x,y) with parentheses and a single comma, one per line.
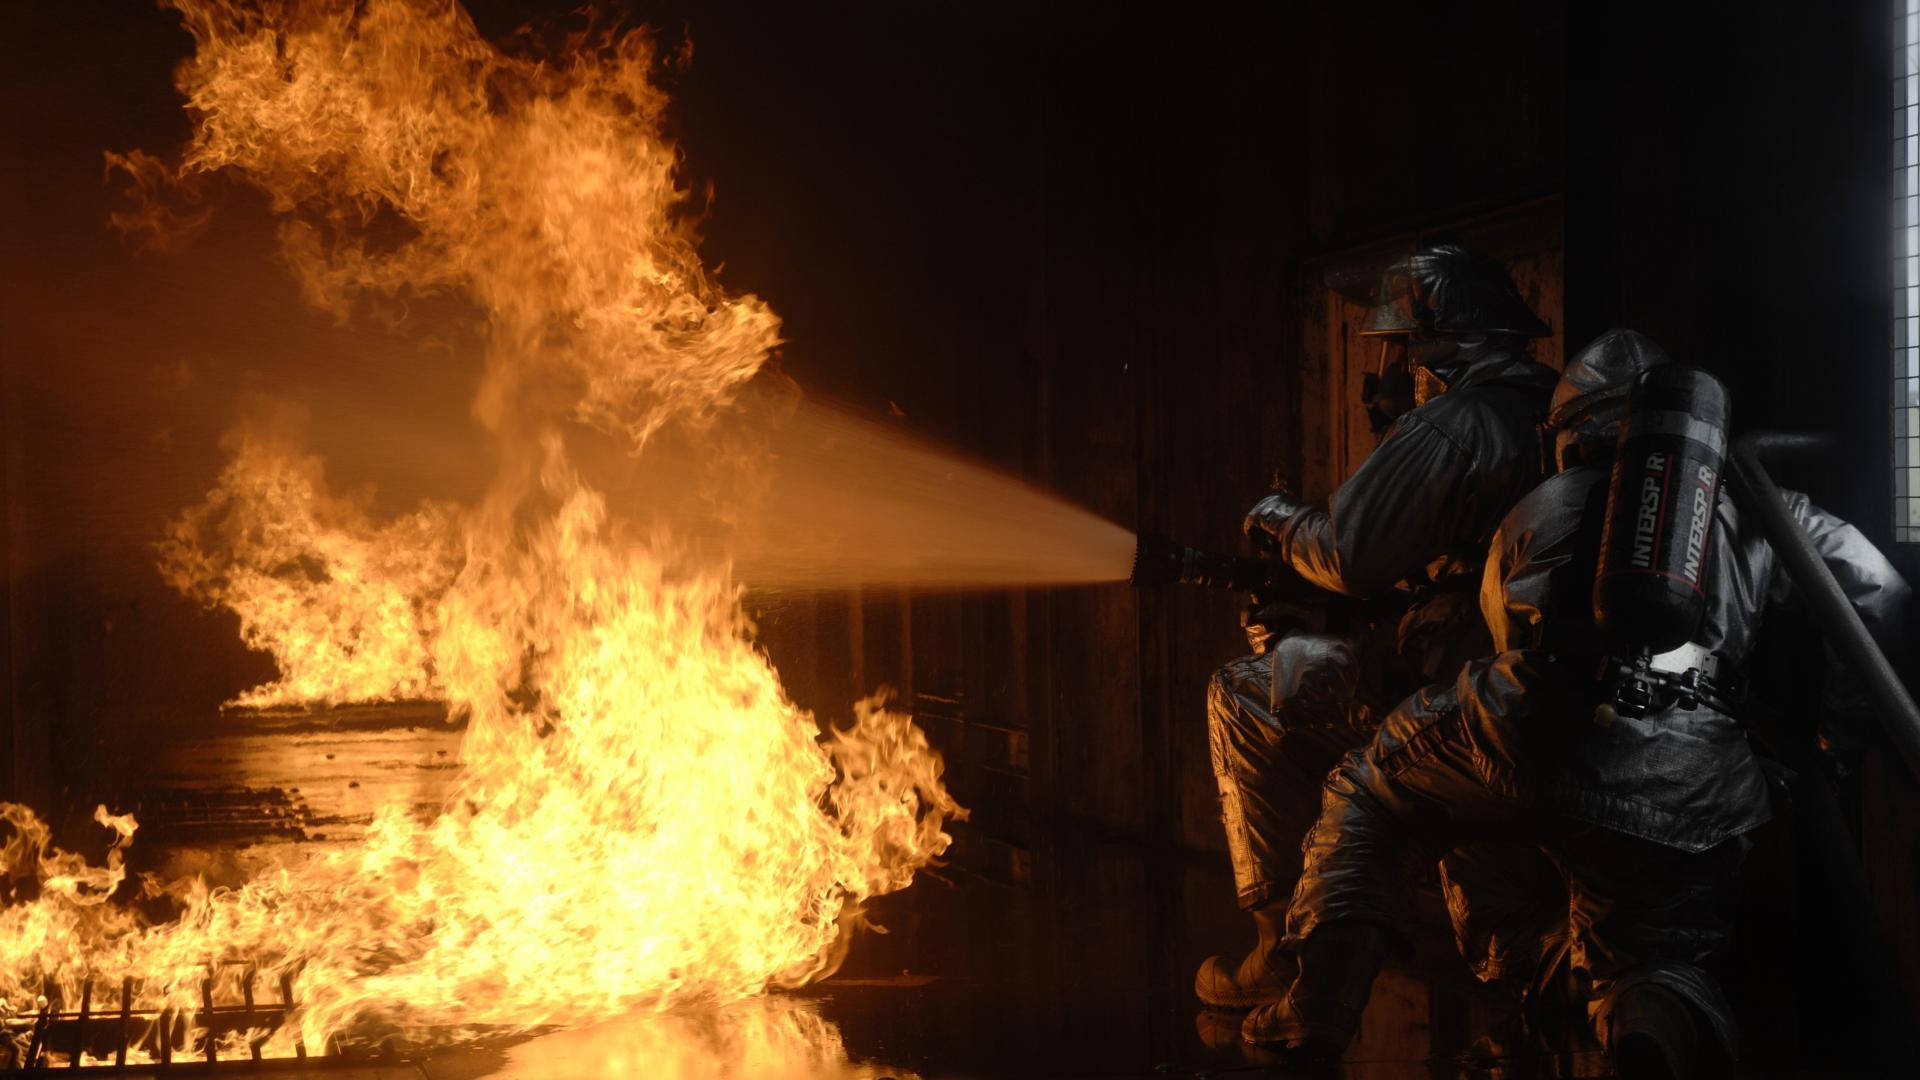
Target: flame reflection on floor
(764,1037)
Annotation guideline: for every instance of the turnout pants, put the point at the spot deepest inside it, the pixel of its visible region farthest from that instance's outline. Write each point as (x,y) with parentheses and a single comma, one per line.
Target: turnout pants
(1279,722)
(1637,912)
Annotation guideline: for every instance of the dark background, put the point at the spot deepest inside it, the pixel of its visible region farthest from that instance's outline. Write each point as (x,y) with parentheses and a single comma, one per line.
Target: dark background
(1080,241)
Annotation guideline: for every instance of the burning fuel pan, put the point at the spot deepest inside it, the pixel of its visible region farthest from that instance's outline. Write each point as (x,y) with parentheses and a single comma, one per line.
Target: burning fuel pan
(787,1034)
(87,1040)
(248,784)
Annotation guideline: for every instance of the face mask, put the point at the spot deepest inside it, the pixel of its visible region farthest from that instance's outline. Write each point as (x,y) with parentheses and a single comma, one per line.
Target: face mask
(1392,396)
(1388,390)
(1432,361)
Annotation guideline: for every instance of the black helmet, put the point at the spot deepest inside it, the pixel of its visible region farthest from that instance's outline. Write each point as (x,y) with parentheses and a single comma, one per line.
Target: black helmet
(1591,397)
(1447,289)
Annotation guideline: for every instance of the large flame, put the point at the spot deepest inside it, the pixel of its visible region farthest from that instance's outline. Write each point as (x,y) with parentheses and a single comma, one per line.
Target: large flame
(347,606)
(643,818)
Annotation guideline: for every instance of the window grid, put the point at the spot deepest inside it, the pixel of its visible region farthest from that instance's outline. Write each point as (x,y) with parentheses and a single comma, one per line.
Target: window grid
(1906,272)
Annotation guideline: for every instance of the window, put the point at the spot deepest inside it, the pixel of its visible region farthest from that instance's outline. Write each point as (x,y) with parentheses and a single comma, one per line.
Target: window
(1906,272)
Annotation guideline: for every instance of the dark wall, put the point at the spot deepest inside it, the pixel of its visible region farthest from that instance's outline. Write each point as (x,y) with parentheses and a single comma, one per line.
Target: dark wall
(1728,192)
(1191,178)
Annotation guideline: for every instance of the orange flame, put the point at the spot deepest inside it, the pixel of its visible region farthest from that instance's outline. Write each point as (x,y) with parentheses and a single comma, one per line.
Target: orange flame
(644,818)
(348,608)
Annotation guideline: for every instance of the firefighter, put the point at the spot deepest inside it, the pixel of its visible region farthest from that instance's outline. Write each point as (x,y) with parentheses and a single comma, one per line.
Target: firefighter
(1418,513)
(1644,810)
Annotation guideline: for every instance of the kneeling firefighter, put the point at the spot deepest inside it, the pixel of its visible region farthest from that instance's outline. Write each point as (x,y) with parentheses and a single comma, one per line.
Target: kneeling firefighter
(1623,596)
(1418,512)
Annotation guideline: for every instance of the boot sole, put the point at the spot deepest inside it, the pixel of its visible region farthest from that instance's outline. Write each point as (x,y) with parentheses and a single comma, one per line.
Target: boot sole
(1233,999)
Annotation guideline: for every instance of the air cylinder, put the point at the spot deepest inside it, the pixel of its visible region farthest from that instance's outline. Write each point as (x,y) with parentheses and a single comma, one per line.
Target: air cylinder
(1649,589)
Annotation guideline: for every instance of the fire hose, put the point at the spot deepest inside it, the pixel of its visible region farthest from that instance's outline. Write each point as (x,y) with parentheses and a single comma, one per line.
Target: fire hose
(1757,495)
(1858,945)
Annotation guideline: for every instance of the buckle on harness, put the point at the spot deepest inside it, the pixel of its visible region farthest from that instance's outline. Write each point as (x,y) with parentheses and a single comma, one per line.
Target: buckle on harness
(1687,677)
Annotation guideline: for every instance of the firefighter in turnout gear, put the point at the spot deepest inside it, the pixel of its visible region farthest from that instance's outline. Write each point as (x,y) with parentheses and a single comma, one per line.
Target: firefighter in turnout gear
(1417,515)
(1640,790)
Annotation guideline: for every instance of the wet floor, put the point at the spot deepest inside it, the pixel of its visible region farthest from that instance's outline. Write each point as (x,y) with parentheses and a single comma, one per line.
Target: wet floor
(1053,953)
(1063,951)
(976,977)
(1086,970)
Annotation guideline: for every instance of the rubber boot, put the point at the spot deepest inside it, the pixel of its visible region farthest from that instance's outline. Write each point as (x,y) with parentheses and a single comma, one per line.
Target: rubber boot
(1218,1029)
(1263,975)
(1311,1027)
(1653,1036)
(1541,1017)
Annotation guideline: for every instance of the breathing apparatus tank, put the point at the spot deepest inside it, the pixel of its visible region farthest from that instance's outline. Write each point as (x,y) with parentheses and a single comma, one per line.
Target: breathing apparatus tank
(1648,593)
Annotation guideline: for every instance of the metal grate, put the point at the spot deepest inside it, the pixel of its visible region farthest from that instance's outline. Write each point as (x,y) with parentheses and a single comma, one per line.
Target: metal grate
(1906,271)
(120,1037)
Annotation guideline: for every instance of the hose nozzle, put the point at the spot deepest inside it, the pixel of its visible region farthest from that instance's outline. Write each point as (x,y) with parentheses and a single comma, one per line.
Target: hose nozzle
(1160,561)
